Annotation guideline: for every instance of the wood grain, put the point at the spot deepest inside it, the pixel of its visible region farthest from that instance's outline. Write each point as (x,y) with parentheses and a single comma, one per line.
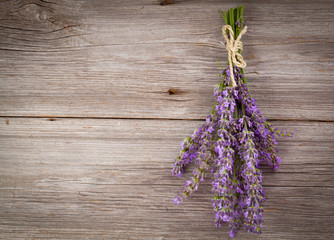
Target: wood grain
(110,179)
(126,150)
(86,211)
(96,96)
(119,59)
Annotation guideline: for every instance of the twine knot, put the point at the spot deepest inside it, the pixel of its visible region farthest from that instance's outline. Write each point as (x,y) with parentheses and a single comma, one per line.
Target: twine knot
(233,46)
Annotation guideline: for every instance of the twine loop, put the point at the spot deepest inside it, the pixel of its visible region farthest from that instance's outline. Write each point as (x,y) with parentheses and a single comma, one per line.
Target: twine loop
(233,46)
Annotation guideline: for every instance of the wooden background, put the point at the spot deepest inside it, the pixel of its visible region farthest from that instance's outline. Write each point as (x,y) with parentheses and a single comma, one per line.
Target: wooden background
(96,96)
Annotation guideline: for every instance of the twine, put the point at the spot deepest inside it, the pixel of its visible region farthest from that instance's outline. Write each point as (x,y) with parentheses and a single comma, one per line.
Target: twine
(233,46)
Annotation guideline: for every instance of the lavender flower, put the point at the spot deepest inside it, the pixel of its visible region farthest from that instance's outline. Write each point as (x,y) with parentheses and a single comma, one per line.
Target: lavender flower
(252,179)
(230,146)
(197,147)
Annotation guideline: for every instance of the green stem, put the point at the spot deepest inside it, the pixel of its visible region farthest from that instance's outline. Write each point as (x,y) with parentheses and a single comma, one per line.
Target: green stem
(213,111)
(231,16)
(220,65)
(244,114)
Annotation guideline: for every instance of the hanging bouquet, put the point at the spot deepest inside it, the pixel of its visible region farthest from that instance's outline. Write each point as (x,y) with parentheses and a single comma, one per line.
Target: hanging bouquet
(232,143)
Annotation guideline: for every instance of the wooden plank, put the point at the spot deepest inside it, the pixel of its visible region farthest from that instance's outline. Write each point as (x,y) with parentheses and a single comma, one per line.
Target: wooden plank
(87,59)
(99,211)
(129,149)
(106,178)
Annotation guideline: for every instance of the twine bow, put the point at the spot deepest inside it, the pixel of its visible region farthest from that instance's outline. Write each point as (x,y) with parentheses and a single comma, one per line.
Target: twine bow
(233,46)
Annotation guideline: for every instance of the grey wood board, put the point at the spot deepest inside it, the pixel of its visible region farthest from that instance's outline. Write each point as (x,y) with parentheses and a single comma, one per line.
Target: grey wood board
(110,179)
(140,59)
(99,211)
(126,150)
(70,170)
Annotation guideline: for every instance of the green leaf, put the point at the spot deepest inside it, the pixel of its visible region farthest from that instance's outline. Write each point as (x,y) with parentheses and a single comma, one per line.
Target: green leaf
(232,20)
(241,10)
(219,65)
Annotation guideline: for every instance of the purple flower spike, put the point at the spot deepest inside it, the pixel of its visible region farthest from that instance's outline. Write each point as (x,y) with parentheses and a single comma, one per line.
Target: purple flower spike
(232,143)
(230,146)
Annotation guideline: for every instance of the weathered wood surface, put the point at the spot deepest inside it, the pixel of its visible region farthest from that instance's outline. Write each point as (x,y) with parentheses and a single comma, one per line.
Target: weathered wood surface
(126,149)
(70,171)
(106,178)
(121,58)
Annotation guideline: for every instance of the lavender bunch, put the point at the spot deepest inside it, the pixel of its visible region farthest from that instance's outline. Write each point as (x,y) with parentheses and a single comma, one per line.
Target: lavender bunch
(230,146)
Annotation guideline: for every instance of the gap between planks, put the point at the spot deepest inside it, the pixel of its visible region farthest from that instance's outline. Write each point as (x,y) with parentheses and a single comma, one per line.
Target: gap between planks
(52,118)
